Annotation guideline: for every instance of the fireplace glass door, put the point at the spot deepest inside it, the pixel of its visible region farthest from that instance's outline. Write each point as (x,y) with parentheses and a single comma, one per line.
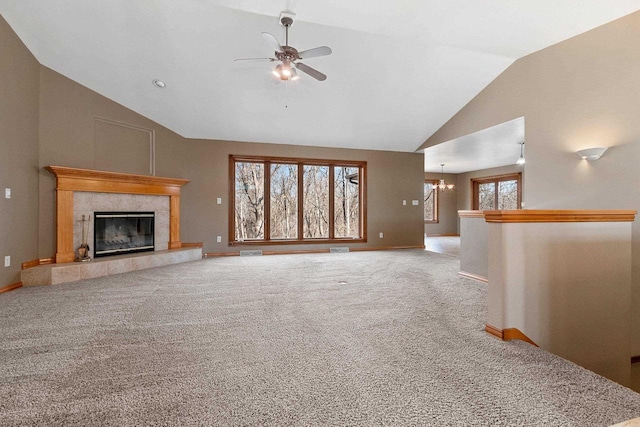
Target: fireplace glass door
(123,232)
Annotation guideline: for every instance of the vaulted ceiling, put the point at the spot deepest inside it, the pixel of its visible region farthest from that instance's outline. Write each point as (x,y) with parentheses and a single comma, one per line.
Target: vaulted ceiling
(399,69)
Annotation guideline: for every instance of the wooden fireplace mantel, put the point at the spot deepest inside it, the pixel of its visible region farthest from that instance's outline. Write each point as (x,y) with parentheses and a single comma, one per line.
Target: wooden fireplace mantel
(70,180)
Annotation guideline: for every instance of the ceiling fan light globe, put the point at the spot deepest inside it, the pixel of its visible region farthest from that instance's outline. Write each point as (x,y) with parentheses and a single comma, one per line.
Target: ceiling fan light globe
(278,71)
(286,55)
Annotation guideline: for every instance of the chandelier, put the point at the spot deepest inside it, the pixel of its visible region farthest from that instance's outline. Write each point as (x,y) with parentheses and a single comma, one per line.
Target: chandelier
(442,185)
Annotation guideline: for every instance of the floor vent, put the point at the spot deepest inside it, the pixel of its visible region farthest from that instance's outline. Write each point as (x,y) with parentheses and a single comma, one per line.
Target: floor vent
(251,253)
(338,250)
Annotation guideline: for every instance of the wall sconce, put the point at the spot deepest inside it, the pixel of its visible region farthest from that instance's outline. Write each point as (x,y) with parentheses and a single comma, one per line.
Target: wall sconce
(591,154)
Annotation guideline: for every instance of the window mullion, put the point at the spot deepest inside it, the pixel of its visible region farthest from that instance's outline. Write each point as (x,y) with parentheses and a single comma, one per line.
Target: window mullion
(361,201)
(331,202)
(300,201)
(232,200)
(267,200)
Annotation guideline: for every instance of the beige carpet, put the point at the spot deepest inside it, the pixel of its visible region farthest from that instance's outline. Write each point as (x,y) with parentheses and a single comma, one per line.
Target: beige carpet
(368,338)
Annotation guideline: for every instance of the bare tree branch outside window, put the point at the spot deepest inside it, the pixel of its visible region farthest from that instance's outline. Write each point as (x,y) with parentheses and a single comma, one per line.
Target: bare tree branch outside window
(316,201)
(430,202)
(290,199)
(284,201)
(346,202)
(249,201)
(500,192)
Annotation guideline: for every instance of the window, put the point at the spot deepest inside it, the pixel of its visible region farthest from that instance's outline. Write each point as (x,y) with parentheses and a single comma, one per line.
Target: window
(316,201)
(430,201)
(307,201)
(284,201)
(249,200)
(346,204)
(497,193)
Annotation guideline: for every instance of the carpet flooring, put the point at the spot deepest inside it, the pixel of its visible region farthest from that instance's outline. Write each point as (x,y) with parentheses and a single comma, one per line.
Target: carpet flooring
(362,338)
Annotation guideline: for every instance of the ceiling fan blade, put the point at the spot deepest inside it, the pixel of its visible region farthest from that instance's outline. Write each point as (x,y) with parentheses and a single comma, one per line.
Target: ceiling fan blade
(255,59)
(272,41)
(311,71)
(315,52)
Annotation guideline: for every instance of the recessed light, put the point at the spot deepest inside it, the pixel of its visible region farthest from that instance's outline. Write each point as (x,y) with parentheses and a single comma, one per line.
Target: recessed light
(159,83)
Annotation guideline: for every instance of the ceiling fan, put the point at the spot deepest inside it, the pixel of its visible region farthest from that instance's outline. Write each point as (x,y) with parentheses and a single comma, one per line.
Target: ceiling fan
(289,56)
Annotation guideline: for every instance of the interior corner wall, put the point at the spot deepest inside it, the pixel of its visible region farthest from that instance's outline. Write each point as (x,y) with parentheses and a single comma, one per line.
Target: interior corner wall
(68,138)
(447,213)
(19,88)
(579,93)
(71,117)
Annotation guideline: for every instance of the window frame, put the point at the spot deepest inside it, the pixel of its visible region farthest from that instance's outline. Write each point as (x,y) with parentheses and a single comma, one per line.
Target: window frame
(475,187)
(301,162)
(436,202)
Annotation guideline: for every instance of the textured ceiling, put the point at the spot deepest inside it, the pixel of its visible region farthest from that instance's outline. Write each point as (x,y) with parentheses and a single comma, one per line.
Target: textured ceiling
(399,69)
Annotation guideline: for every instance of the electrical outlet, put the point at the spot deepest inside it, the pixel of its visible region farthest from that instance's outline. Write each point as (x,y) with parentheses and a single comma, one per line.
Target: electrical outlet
(219,200)
(7,261)
(381,235)
(7,193)
(219,239)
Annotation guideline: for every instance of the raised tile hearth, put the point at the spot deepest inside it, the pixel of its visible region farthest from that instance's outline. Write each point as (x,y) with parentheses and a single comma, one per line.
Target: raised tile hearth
(53,274)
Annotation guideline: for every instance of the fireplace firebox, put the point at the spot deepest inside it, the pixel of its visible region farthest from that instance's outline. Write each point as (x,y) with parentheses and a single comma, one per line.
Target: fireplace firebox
(118,233)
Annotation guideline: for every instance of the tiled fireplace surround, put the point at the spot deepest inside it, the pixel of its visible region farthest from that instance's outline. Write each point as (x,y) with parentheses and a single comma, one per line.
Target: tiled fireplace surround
(87,203)
(82,192)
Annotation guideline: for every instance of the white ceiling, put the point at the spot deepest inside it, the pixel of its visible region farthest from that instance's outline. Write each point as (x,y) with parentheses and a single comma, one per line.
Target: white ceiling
(399,69)
(489,148)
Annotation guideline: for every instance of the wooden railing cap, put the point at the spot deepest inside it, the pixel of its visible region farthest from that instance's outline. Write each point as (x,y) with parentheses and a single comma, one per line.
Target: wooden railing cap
(531,215)
(471,214)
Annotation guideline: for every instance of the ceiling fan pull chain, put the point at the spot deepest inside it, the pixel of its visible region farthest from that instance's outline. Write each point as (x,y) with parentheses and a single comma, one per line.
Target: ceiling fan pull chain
(286,94)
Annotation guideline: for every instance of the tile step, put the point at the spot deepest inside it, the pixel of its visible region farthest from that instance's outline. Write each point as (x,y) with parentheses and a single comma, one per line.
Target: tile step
(54,274)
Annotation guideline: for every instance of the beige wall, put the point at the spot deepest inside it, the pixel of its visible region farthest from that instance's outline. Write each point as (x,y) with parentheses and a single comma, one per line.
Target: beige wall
(580,93)
(474,245)
(447,214)
(71,121)
(548,280)
(18,154)
(70,135)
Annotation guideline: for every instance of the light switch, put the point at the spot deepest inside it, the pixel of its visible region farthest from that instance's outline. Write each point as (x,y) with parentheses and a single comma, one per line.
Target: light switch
(7,193)
(404,203)
(415,202)
(219,200)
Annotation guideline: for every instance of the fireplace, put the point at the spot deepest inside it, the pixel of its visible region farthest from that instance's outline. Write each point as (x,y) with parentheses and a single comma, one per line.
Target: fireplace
(118,233)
